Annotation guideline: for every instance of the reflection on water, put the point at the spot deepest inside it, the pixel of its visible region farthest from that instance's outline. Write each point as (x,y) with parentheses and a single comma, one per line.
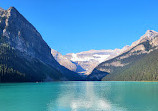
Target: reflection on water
(106,96)
(79,96)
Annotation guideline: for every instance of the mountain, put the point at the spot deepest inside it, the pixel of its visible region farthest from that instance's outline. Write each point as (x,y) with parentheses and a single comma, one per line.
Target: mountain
(86,61)
(137,63)
(24,55)
(62,60)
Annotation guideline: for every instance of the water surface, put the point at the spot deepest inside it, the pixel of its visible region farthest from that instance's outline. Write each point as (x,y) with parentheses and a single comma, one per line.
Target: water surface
(79,96)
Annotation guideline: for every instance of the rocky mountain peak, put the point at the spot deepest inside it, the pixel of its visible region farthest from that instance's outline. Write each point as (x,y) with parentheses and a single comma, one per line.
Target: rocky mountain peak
(149,34)
(29,53)
(18,32)
(12,11)
(9,12)
(1,9)
(135,64)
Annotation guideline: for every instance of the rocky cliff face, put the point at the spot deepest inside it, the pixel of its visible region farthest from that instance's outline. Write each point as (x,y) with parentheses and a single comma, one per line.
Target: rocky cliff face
(62,60)
(137,53)
(88,60)
(19,37)
(85,62)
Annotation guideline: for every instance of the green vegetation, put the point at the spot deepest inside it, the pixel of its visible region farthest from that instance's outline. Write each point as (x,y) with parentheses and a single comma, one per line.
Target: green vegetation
(16,68)
(141,68)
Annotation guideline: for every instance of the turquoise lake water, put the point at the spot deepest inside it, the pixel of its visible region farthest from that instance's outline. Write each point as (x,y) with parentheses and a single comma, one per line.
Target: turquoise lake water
(79,96)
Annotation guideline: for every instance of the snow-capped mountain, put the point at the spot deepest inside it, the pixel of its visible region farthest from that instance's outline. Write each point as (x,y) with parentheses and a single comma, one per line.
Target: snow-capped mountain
(88,60)
(85,62)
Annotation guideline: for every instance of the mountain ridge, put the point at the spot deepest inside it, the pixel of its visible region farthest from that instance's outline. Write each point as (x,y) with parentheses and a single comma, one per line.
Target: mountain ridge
(138,51)
(84,62)
(18,37)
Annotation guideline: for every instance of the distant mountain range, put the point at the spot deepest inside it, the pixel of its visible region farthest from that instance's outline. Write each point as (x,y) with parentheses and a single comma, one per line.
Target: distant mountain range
(138,63)
(24,55)
(85,62)
(62,60)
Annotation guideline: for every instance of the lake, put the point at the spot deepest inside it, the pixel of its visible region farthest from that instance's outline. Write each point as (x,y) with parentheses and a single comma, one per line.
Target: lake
(79,96)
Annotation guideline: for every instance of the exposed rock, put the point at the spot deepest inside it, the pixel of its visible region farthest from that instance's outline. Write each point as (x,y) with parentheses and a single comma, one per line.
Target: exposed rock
(19,37)
(137,51)
(63,60)
(88,60)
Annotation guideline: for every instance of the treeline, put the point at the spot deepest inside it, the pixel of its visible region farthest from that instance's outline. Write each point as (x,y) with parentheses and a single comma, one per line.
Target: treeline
(7,71)
(14,67)
(143,69)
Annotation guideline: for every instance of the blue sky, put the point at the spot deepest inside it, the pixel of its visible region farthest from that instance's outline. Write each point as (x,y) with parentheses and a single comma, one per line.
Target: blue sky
(71,26)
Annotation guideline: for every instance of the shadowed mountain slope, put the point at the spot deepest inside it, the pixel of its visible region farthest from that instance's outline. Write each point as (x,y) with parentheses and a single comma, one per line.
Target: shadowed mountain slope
(24,55)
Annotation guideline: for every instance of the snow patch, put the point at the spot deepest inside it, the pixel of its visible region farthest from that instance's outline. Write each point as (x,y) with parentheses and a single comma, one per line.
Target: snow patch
(101,58)
(76,58)
(97,57)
